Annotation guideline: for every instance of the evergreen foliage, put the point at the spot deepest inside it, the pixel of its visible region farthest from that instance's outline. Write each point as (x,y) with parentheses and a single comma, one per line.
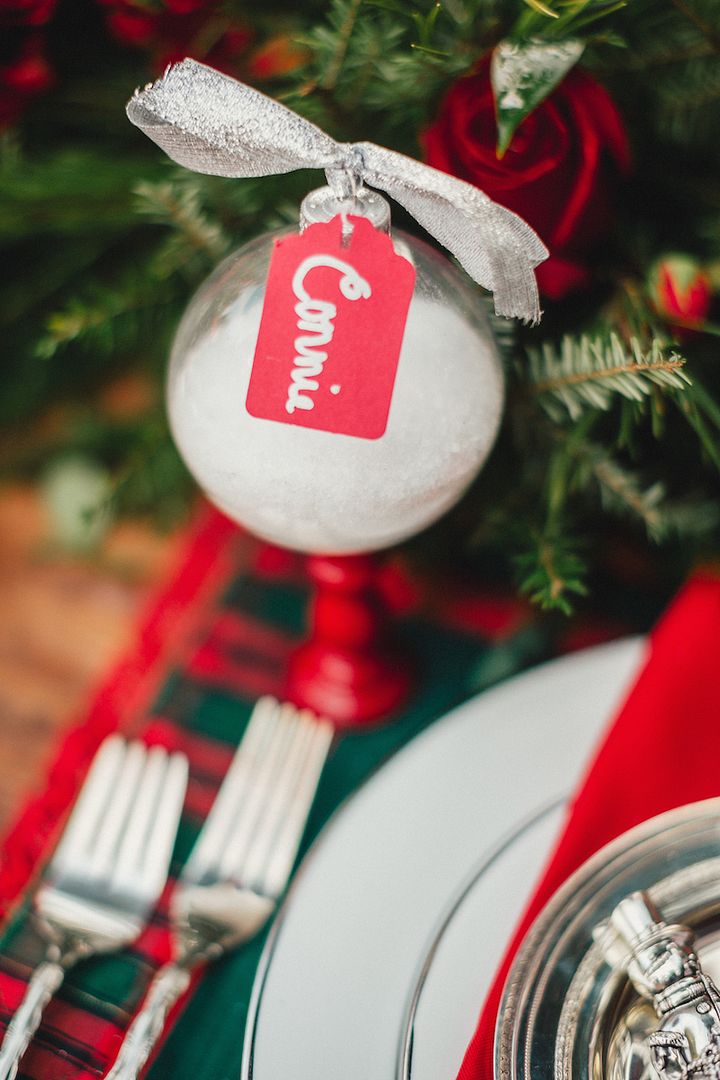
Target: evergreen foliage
(585,372)
(611,412)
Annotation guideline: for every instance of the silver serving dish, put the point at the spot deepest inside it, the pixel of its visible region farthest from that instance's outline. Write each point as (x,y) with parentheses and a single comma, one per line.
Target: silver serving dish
(569,1014)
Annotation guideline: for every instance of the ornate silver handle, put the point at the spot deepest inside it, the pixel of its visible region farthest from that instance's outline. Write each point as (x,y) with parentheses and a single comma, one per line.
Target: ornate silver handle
(46,979)
(169,984)
(664,968)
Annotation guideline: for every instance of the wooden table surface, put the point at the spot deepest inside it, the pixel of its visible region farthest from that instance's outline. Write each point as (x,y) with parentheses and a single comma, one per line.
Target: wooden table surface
(63,621)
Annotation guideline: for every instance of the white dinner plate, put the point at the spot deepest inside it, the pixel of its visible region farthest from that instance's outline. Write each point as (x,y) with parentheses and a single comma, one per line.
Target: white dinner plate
(358,956)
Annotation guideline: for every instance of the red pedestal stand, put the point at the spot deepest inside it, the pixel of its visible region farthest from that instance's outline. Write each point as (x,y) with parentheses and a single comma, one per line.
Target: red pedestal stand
(349,669)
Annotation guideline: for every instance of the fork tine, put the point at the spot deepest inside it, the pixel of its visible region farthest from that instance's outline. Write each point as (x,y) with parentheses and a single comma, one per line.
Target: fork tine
(103,849)
(161,836)
(149,823)
(250,851)
(87,813)
(209,846)
(137,821)
(260,791)
(287,840)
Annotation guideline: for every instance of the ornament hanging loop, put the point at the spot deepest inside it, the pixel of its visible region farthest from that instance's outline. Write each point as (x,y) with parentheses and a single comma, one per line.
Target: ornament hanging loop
(323,204)
(346,178)
(346,194)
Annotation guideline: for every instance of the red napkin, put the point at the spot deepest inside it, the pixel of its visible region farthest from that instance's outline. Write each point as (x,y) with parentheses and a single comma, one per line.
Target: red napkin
(676,697)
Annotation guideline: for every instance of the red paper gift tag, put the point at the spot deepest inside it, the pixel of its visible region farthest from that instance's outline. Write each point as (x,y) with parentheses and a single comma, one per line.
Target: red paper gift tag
(331,329)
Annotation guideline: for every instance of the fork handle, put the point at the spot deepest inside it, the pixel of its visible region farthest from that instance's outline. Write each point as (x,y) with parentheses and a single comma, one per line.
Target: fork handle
(167,987)
(46,979)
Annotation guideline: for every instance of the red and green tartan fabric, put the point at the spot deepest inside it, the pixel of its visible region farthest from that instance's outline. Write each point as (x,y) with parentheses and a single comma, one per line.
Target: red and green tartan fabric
(215,640)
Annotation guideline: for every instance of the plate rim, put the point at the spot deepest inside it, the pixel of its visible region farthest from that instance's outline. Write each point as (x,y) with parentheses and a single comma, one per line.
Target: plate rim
(458,898)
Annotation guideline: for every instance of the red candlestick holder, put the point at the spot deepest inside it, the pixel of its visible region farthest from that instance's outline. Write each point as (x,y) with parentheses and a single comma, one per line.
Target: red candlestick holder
(350,669)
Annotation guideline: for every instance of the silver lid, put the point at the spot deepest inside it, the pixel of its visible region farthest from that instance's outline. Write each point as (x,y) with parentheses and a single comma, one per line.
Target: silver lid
(323,204)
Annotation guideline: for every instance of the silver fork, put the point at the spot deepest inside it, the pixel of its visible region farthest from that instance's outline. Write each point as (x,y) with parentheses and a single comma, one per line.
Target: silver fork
(241,861)
(106,874)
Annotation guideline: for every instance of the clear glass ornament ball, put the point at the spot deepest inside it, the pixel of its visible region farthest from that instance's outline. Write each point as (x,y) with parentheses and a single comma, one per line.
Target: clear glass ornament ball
(316,491)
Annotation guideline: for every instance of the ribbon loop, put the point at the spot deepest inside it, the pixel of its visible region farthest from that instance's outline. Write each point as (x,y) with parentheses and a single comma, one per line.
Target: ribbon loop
(214,124)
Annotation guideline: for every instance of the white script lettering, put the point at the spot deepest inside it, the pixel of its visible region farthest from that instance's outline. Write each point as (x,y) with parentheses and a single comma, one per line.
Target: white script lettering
(316,326)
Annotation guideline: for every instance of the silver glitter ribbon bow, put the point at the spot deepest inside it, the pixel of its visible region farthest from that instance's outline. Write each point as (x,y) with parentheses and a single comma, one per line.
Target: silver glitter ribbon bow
(211,123)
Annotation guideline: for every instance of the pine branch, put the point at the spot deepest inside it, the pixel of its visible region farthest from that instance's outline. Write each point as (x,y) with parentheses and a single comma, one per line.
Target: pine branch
(551,573)
(111,321)
(621,491)
(708,31)
(562,19)
(178,204)
(696,518)
(690,88)
(683,37)
(73,192)
(56,267)
(702,413)
(329,45)
(366,58)
(587,372)
(330,78)
(640,62)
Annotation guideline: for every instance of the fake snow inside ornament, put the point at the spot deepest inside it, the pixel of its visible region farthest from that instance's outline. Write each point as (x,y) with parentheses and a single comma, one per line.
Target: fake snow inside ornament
(327,491)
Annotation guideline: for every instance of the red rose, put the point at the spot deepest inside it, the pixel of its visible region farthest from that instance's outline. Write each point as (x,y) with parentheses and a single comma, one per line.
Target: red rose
(557,172)
(680,290)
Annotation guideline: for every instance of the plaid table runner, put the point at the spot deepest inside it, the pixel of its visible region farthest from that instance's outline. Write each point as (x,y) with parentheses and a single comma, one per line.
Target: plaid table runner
(215,640)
